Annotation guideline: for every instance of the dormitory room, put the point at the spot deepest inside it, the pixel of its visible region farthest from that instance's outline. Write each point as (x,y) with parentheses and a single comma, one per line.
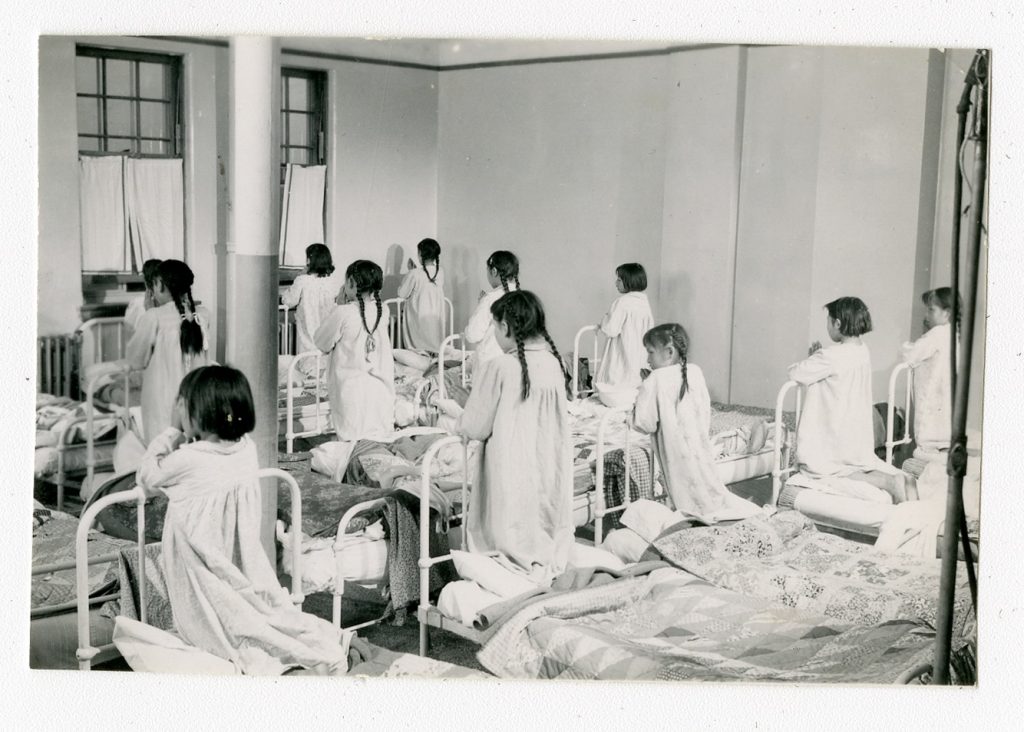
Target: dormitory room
(516,359)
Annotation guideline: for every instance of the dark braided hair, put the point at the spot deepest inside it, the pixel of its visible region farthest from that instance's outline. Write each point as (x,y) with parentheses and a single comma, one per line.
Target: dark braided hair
(177,279)
(430,251)
(675,335)
(523,313)
(506,264)
(367,277)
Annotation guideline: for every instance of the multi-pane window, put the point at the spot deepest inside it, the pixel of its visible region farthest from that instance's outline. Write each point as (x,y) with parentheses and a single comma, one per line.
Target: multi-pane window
(302,116)
(128,102)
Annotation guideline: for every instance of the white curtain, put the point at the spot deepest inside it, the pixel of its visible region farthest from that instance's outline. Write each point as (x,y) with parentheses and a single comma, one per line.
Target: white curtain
(102,207)
(302,212)
(156,208)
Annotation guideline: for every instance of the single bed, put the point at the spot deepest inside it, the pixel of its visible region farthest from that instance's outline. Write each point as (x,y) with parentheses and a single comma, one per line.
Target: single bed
(134,601)
(673,626)
(742,436)
(862,520)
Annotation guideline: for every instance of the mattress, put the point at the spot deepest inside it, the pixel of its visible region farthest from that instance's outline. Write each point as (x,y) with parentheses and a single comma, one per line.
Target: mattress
(74,459)
(836,512)
(53,640)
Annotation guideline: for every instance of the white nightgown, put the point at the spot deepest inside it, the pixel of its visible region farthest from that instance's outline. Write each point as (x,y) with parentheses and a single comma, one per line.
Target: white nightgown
(682,440)
(928,356)
(628,319)
(521,505)
(361,384)
(225,596)
(836,432)
(423,317)
(155,347)
(313,298)
(480,329)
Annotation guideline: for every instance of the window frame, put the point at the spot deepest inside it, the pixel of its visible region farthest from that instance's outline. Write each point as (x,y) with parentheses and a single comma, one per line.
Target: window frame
(173,99)
(317,108)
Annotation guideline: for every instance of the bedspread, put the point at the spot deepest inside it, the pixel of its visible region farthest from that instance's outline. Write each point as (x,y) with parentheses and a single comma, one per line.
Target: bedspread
(673,626)
(53,541)
(784,559)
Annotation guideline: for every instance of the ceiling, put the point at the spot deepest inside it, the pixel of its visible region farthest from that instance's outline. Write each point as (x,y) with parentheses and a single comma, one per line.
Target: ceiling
(450,52)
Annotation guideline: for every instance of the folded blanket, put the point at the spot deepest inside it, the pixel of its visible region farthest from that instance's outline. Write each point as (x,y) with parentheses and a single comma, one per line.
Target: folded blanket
(490,619)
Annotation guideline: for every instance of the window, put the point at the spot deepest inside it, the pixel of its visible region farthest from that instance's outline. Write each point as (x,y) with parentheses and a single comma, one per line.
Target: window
(128,102)
(303,94)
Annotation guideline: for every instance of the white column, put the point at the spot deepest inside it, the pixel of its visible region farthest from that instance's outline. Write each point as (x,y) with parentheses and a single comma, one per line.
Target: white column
(252,279)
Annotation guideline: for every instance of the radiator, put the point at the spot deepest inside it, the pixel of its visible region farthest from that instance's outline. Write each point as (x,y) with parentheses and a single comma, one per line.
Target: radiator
(57,367)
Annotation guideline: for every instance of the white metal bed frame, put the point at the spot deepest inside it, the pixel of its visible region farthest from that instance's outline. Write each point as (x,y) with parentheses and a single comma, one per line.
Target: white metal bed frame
(783,452)
(594,363)
(88,654)
(448,344)
(323,424)
(397,332)
(891,443)
(92,330)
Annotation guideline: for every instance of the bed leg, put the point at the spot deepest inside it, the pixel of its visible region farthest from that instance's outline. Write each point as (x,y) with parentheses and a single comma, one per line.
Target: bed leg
(424,637)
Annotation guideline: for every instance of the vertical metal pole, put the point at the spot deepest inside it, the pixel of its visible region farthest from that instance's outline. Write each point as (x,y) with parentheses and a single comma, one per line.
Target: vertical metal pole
(957,462)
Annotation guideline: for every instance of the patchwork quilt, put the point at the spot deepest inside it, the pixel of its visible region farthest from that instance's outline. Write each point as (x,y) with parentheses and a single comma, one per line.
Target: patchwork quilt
(53,541)
(783,558)
(672,625)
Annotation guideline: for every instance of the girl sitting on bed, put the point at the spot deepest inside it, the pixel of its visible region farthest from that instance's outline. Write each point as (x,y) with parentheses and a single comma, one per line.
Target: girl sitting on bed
(170,340)
(929,358)
(522,503)
(836,434)
(625,324)
(502,274)
(224,595)
(361,367)
(423,290)
(312,295)
(674,405)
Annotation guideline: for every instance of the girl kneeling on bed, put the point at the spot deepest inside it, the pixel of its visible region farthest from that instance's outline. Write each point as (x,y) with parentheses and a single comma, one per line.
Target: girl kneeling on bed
(836,433)
(224,594)
(675,407)
(522,503)
(361,367)
(929,357)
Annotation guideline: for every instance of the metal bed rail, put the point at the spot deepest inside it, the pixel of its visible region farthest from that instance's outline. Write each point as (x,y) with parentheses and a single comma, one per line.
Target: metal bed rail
(784,442)
(321,427)
(891,443)
(594,363)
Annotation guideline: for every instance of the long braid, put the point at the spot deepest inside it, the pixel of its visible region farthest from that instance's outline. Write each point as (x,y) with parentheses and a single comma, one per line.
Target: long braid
(561,364)
(362,312)
(380,310)
(516,278)
(504,281)
(437,268)
(521,349)
(682,346)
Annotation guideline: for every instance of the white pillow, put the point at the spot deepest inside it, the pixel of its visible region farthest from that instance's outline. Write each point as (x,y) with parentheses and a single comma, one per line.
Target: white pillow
(649,518)
(626,544)
(581,555)
(491,575)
